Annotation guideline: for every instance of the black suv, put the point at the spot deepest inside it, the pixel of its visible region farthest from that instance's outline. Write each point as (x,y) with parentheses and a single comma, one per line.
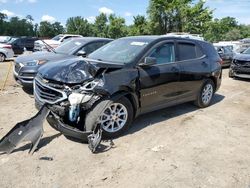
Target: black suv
(22,43)
(125,78)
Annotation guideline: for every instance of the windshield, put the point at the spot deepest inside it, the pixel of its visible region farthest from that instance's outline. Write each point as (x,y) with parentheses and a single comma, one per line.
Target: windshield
(57,37)
(120,51)
(247,51)
(69,47)
(12,40)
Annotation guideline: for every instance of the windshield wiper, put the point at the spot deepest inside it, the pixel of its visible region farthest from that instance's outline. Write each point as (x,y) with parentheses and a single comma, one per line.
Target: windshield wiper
(50,47)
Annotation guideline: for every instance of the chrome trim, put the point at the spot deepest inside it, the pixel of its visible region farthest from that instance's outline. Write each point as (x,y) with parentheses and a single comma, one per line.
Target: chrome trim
(64,96)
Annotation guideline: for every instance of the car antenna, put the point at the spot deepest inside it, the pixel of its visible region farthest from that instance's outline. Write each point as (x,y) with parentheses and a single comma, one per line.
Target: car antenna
(50,47)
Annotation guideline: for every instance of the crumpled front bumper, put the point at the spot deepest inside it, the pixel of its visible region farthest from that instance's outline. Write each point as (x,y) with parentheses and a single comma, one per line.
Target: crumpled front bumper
(65,129)
(239,71)
(32,130)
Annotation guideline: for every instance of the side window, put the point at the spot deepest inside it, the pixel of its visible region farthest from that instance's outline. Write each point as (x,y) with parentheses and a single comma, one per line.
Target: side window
(65,38)
(164,53)
(89,48)
(189,51)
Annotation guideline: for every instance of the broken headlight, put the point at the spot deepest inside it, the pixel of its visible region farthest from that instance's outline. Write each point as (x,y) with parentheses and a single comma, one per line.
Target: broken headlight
(91,85)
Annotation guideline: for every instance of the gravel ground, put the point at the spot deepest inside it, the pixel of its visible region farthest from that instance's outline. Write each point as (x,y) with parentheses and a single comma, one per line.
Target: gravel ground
(180,146)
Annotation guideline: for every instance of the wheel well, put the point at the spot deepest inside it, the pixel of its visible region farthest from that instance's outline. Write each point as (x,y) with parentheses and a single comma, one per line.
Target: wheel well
(3,54)
(214,80)
(130,98)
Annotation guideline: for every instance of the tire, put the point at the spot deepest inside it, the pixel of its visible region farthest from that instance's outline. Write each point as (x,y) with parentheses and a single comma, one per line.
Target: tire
(230,74)
(101,112)
(2,57)
(206,94)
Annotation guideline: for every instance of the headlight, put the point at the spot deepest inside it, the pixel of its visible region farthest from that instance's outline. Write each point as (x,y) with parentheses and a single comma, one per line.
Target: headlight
(91,85)
(34,62)
(234,61)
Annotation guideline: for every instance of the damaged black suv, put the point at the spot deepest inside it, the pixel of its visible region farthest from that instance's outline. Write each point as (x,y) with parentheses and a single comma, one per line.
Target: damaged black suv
(125,78)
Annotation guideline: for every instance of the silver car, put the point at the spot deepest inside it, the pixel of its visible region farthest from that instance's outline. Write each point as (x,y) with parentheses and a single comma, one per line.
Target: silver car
(6,52)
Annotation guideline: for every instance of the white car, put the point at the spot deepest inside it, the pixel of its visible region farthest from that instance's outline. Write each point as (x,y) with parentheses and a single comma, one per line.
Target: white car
(6,52)
(4,39)
(54,42)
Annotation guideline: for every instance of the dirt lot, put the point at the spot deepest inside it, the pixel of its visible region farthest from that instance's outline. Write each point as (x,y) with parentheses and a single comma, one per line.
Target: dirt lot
(180,146)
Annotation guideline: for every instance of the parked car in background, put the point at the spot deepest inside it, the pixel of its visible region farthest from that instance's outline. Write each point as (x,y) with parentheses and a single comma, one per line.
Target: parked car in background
(225,53)
(46,45)
(125,78)
(240,66)
(20,44)
(4,39)
(6,52)
(26,66)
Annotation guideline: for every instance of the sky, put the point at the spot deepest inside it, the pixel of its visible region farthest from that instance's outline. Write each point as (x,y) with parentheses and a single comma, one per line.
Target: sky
(52,10)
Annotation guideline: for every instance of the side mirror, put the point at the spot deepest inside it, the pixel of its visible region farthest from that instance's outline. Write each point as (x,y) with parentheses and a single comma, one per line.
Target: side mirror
(82,53)
(148,61)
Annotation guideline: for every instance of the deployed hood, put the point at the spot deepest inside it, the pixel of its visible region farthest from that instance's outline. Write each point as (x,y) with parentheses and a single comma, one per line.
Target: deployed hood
(75,70)
(242,57)
(48,56)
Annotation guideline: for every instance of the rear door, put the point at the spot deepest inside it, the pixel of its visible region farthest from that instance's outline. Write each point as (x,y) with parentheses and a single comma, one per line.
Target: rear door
(159,83)
(194,67)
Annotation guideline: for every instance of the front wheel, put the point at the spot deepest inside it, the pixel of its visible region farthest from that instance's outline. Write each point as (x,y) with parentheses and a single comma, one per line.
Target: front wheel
(2,57)
(206,94)
(114,117)
(230,74)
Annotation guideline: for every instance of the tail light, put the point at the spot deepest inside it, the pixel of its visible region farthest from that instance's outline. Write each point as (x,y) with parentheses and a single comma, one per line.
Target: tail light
(7,46)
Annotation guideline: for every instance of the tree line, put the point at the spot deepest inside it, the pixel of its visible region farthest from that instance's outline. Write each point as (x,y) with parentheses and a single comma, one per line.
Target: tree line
(163,16)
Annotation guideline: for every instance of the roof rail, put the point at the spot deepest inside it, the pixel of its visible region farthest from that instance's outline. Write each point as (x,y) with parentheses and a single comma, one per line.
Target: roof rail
(186,35)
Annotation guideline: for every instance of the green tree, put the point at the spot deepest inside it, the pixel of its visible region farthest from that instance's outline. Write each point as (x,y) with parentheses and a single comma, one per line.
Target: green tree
(19,27)
(166,15)
(101,26)
(3,17)
(140,26)
(232,35)
(79,25)
(58,28)
(221,29)
(47,29)
(197,18)
(117,27)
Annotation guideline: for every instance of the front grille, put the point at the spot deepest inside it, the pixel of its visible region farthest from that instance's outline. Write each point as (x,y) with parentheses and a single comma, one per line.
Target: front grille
(47,94)
(32,75)
(242,63)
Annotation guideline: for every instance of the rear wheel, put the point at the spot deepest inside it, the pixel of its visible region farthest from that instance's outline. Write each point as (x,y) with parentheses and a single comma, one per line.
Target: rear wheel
(206,94)
(2,57)
(114,117)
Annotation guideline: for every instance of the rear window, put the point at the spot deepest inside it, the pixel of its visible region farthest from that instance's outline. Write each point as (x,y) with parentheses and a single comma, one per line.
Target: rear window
(210,51)
(189,51)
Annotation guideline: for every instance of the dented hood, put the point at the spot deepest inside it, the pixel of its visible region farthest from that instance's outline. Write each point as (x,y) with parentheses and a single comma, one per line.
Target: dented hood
(242,57)
(74,71)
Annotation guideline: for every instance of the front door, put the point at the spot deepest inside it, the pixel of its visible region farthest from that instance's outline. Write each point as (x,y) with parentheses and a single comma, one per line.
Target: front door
(159,82)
